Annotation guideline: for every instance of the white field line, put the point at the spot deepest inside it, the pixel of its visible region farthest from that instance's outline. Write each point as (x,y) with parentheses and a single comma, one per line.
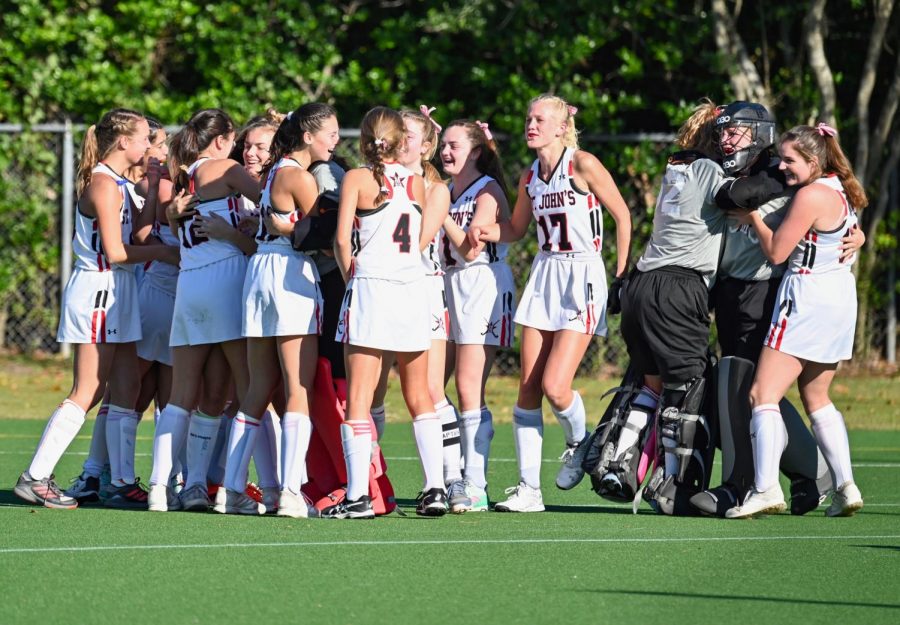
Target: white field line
(394,543)
(864,465)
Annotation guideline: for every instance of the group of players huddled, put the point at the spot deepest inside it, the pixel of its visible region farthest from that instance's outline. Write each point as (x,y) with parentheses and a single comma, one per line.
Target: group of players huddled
(258,292)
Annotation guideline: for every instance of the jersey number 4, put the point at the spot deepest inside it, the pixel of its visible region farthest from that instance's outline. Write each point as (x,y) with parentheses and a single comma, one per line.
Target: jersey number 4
(401,234)
(557,220)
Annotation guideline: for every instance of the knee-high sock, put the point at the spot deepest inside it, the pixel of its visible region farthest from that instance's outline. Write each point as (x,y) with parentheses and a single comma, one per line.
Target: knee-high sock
(61,429)
(98,456)
(427,430)
(378,417)
(171,431)
(831,434)
(201,443)
(266,455)
(241,442)
(356,437)
(450,424)
(296,430)
(572,420)
(769,438)
(478,431)
(802,457)
(528,429)
(114,431)
(642,408)
(216,472)
(128,426)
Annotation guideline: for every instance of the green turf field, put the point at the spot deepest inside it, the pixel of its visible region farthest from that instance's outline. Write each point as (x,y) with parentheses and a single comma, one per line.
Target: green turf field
(583,561)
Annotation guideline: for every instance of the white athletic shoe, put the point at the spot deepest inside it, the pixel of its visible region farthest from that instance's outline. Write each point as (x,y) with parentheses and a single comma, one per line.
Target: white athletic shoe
(271,499)
(571,473)
(522,498)
(478,498)
(219,505)
(756,502)
(240,503)
(845,501)
(292,505)
(162,498)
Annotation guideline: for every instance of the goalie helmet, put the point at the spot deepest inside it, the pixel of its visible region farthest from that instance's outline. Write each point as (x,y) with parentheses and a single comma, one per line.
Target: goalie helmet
(762,133)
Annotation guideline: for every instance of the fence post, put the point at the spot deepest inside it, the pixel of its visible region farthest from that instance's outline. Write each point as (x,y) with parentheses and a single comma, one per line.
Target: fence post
(67,207)
(891,330)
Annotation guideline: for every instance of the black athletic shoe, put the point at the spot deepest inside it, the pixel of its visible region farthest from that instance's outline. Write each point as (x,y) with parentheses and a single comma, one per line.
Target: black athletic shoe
(805,496)
(128,497)
(432,502)
(85,489)
(358,509)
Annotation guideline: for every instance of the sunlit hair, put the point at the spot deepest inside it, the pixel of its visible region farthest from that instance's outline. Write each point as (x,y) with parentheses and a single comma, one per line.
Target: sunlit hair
(699,131)
(194,137)
(488,161)
(564,113)
(825,156)
(270,120)
(381,138)
(430,136)
(100,140)
(288,138)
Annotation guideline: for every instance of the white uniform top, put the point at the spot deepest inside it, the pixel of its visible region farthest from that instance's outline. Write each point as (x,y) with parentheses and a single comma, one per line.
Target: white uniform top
(163,275)
(385,240)
(569,220)
(462,209)
(820,252)
(137,201)
(198,251)
(86,243)
(265,208)
(431,255)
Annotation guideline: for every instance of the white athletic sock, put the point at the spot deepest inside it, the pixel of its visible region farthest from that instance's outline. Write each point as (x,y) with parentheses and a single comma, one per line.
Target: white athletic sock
(357,439)
(642,409)
(216,472)
(266,455)
(128,426)
(241,442)
(831,434)
(528,429)
(61,429)
(769,438)
(171,430)
(452,451)
(378,417)
(427,430)
(114,442)
(201,443)
(98,456)
(296,428)
(572,420)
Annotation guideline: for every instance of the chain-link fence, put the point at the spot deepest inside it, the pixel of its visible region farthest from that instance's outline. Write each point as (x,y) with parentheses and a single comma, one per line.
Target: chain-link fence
(37,208)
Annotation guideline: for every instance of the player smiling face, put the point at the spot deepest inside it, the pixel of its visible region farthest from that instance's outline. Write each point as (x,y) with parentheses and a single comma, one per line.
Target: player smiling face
(797,170)
(543,125)
(456,150)
(323,142)
(137,144)
(256,149)
(415,147)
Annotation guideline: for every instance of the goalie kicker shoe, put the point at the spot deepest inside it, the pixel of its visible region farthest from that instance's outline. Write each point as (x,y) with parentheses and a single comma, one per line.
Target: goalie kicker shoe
(756,502)
(358,509)
(571,471)
(522,498)
(845,501)
(85,489)
(432,502)
(43,492)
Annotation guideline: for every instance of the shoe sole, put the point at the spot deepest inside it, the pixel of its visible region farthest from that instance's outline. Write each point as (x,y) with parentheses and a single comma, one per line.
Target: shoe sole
(125,505)
(293,514)
(368,514)
(574,484)
(195,505)
(848,510)
(434,511)
(25,494)
(502,508)
(243,511)
(774,509)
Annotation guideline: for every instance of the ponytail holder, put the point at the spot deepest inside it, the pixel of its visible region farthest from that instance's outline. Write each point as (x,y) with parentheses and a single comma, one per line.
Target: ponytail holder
(572,110)
(379,143)
(288,116)
(485,130)
(427,113)
(825,130)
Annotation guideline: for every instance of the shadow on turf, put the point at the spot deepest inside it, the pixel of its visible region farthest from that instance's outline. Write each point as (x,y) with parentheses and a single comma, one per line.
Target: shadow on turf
(791,600)
(886,547)
(8,499)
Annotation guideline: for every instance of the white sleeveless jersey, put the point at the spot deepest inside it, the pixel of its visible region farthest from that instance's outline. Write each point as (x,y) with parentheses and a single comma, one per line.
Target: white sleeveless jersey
(86,243)
(569,219)
(462,209)
(163,275)
(385,240)
(819,252)
(198,251)
(431,255)
(265,208)
(137,201)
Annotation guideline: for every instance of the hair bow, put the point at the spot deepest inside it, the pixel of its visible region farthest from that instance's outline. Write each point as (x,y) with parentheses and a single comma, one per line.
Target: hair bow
(572,110)
(485,130)
(825,130)
(427,113)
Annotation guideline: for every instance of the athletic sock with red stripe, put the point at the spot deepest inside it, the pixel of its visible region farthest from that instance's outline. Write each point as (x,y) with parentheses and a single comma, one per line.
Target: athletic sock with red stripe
(241,442)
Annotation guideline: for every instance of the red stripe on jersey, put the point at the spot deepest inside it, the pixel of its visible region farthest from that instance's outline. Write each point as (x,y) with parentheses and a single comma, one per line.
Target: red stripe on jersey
(387,187)
(589,320)
(102,326)
(530,176)
(94,326)
(771,336)
(503,329)
(409,188)
(447,321)
(590,199)
(781,333)
(572,167)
